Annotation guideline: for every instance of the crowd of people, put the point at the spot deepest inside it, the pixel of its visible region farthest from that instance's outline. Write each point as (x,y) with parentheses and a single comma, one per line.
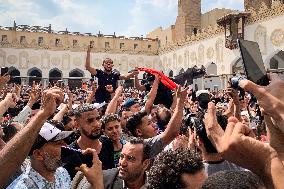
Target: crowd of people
(148,136)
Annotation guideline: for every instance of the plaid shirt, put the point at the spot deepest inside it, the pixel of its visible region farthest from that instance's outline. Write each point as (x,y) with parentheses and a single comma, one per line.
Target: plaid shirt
(33,180)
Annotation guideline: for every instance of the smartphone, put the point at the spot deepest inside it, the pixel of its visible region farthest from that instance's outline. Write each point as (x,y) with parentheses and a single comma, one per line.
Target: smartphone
(253,63)
(66,98)
(4,70)
(75,157)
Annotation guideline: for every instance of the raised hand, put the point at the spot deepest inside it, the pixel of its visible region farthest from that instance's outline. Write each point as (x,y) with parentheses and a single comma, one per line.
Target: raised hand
(109,88)
(51,98)
(119,90)
(11,100)
(94,174)
(233,93)
(182,93)
(4,80)
(270,98)
(212,126)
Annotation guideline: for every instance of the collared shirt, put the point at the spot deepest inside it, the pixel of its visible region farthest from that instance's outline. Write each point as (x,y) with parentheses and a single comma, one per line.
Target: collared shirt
(145,186)
(33,180)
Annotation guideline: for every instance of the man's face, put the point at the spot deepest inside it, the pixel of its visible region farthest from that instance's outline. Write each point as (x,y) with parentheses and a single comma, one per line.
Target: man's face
(148,128)
(194,181)
(70,126)
(51,154)
(90,124)
(131,162)
(108,64)
(113,130)
(135,108)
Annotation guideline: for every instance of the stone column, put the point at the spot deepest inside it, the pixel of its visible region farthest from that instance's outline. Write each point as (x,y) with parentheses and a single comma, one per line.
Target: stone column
(45,82)
(24,81)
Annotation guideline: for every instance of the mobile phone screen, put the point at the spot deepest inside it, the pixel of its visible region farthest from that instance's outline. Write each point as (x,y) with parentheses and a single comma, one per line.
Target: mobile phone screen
(4,70)
(253,63)
(71,156)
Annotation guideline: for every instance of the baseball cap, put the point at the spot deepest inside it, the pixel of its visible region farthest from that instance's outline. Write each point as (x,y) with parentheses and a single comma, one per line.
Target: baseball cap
(49,133)
(130,102)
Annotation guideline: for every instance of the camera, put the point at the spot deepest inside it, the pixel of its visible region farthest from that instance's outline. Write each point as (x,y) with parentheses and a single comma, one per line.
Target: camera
(235,85)
(195,122)
(4,70)
(74,156)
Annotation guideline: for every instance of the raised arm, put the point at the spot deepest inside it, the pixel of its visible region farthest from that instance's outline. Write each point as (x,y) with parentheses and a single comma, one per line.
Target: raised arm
(91,95)
(88,67)
(152,94)
(112,106)
(236,144)
(129,75)
(236,101)
(17,149)
(27,110)
(174,125)
(137,84)
(10,101)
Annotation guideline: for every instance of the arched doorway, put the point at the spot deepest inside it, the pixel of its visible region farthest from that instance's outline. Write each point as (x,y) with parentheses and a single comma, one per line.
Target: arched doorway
(15,75)
(75,79)
(54,75)
(34,74)
(238,67)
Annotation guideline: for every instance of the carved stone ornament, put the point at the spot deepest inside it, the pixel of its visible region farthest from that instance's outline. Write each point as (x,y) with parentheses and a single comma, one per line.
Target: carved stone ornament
(34,60)
(55,61)
(12,59)
(77,61)
(210,53)
(193,57)
(277,37)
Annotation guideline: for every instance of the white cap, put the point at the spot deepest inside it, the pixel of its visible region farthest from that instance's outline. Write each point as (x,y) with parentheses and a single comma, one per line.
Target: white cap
(50,132)
(201,92)
(99,105)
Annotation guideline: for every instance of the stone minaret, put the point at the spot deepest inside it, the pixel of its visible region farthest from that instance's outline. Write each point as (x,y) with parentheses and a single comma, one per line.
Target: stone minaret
(256,4)
(188,20)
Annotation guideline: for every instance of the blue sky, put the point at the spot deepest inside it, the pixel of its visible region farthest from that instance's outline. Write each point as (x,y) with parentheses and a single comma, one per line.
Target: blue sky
(125,17)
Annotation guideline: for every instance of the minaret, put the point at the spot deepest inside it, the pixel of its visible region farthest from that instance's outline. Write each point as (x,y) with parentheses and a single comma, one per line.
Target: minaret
(188,20)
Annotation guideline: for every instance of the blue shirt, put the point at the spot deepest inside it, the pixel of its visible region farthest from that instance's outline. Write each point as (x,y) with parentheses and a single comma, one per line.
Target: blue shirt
(33,180)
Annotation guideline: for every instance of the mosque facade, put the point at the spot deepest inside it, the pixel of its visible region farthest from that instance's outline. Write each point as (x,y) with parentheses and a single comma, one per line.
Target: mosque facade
(209,40)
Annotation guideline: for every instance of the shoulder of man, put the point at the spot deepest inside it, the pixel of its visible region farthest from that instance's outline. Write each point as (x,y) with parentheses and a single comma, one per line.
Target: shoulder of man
(111,179)
(156,145)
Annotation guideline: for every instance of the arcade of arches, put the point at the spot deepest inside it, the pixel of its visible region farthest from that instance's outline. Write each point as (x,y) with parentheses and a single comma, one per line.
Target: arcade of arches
(34,74)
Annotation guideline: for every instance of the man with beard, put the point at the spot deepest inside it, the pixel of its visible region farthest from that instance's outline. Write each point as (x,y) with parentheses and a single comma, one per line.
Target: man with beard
(107,78)
(45,170)
(88,122)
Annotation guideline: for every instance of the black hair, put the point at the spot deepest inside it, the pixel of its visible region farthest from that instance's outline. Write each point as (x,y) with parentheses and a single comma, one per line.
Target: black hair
(170,165)
(162,122)
(109,118)
(233,180)
(134,122)
(146,146)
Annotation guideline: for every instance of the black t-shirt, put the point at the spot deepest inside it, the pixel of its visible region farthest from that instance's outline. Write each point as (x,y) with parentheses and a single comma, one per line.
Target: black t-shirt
(164,95)
(106,156)
(105,79)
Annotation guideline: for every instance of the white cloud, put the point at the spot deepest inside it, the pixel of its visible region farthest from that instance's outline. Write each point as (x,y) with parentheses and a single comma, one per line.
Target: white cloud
(90,16)
(71,15)
(147,14)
